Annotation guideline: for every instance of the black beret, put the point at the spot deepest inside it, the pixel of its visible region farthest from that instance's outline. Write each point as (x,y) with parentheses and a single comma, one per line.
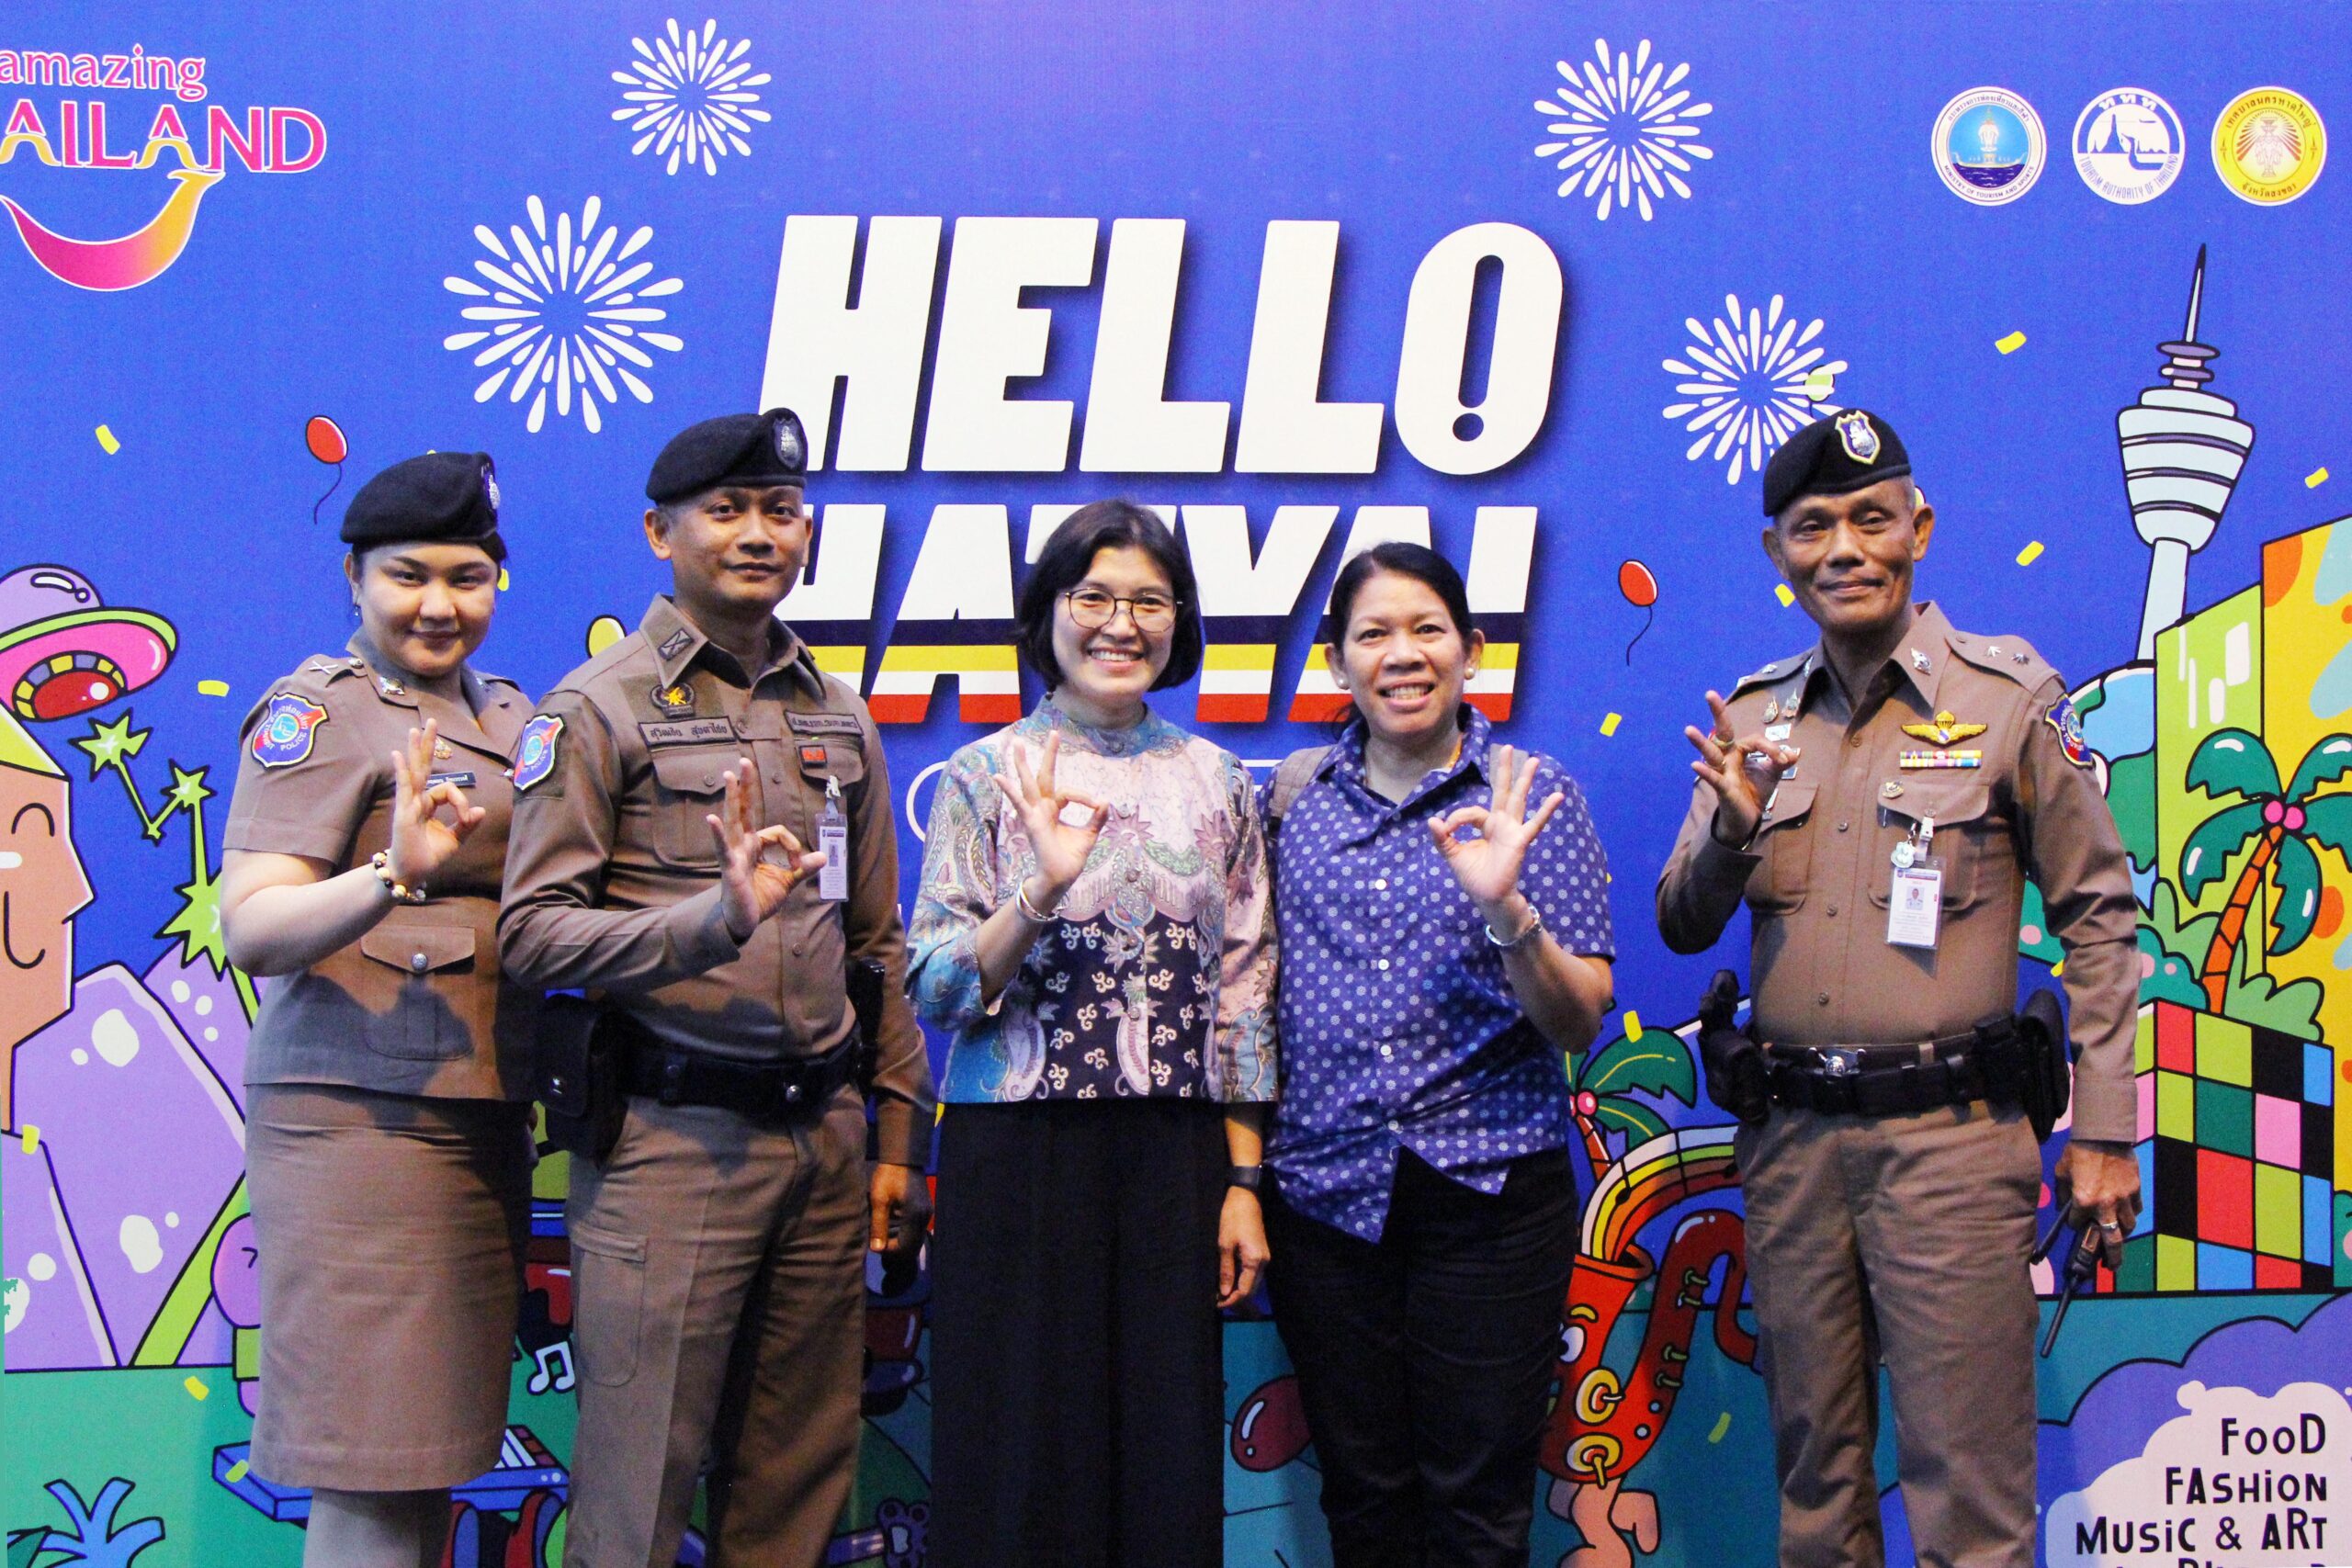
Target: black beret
(738,448)
(1836,455)
(442,498)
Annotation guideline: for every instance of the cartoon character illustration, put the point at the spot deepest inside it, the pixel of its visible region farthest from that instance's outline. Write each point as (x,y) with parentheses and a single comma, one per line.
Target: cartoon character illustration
(42,886)
(63,652)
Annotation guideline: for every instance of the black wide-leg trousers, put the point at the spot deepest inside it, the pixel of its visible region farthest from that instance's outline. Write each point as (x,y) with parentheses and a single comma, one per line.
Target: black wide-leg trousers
(1078,1391)
(1424,1359)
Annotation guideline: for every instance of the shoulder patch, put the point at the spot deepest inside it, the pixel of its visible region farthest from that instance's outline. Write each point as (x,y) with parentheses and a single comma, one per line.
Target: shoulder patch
(2062,718)
(534,753)
(289,725)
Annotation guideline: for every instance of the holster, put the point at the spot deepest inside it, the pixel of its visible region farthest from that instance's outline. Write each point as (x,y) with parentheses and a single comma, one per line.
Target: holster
(576,1075)
(863,978)
(1739,1075)
(2045,1076)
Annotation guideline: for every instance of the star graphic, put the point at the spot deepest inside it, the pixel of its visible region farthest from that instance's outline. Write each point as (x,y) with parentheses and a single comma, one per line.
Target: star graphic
(189,790)
(111,745)
(197,923)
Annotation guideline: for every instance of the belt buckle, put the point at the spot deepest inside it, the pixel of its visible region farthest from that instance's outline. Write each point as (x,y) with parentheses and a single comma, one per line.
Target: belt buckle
(1838,1062)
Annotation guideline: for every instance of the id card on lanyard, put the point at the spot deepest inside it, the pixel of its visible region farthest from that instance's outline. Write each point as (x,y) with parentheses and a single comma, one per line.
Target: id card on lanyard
(1915,903)
(832,841)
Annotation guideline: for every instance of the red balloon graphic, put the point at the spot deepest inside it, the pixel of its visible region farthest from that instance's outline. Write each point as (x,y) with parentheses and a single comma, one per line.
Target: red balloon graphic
(1269,1430)
(1634,582)
(324,438)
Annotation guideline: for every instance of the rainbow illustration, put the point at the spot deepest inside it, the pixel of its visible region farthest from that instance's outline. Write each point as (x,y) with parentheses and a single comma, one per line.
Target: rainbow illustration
(1650,1180)
(105,266)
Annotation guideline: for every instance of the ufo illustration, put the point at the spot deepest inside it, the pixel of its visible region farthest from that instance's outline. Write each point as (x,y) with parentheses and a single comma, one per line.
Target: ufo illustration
(63,652)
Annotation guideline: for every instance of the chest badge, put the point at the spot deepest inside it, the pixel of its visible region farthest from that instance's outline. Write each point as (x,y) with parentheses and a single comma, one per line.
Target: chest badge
(1889,789)
(286,730)
(676,699)
(534,753)
(1943,729)
(441,752)
(1771,709)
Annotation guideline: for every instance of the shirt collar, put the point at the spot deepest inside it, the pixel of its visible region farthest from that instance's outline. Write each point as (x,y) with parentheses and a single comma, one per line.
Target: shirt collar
(1918,659)
(392,683)
(1346,760)
(676,642)
(1146,733)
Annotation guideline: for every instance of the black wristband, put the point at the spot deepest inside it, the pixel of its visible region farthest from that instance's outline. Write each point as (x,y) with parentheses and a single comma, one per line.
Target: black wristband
(1249,1178)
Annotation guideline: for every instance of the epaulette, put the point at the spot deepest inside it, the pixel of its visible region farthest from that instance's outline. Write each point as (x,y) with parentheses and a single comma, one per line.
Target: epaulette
(2010,656)
(1779,670)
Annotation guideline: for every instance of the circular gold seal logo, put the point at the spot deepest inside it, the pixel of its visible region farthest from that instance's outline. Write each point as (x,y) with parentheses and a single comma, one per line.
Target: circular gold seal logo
(2269,146)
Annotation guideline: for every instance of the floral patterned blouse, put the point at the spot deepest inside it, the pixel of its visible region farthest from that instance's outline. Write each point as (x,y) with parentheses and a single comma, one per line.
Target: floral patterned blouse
(1156,976)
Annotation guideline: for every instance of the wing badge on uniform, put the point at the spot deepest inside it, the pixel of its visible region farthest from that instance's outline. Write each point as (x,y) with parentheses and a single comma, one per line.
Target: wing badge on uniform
(287,727)
(1943,729)
(534,753)
(2062,718)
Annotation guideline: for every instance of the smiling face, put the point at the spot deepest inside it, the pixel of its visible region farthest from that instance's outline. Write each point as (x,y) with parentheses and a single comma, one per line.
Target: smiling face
(1848,558)
(425,606)
(734,552)
(42,886)
(1105,670)
(1403,660)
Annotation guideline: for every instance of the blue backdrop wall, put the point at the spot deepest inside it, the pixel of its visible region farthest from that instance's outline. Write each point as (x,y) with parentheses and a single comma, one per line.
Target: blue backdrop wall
(1541,284)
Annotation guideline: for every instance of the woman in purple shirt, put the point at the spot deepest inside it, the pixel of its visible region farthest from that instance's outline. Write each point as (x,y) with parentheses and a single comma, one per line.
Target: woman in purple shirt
(1438,946)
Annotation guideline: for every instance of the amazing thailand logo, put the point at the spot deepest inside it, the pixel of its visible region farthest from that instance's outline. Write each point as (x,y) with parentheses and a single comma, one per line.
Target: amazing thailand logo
(74,133)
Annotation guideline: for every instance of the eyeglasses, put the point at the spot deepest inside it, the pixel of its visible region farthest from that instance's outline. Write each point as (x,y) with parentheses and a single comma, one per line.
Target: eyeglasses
(1093,608)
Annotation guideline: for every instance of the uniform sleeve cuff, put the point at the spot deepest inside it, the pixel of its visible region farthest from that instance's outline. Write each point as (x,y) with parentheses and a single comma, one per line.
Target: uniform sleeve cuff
(698,931)
(2106,1114)
(898,1137)
(1717,863)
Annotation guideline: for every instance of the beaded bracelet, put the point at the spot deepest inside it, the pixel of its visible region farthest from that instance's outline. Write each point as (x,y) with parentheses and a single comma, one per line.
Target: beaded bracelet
(382,863)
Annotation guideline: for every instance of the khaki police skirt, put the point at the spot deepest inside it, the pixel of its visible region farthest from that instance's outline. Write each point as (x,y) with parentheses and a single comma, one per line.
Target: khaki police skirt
(391,1230)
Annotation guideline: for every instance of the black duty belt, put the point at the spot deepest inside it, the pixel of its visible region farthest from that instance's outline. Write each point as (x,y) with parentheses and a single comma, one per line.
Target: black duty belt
(759,1091)
(1986,1063)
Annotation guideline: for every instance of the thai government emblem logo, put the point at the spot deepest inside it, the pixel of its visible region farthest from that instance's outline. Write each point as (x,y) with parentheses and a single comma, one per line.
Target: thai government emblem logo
(1988,146)
(2128,145)
(287,727)
(2269,146)
(534,753)
(1857,436)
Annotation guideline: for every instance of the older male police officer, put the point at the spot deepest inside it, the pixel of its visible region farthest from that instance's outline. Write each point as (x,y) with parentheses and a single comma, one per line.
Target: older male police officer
(664,793)
(1879,802)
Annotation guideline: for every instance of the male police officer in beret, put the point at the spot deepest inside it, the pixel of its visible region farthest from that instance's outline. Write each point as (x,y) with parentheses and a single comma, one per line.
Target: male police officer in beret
(702,837)
(1879,802)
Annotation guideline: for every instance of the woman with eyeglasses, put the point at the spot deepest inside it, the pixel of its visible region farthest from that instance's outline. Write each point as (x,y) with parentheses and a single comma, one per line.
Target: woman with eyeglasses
(1092,931)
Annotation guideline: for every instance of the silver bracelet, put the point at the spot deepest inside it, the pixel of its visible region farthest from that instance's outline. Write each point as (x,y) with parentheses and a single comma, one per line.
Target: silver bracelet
(1527,933)
(1029,912)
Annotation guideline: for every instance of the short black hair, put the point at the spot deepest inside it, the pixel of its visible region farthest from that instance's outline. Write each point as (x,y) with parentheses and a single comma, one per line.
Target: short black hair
(1418,562)
(1064,563)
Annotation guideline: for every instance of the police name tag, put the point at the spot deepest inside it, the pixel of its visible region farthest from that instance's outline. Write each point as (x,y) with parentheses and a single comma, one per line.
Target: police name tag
(1915,904)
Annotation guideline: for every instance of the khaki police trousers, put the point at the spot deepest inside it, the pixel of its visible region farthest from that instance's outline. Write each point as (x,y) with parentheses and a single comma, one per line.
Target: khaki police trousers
(1900,1237)
(718,1278)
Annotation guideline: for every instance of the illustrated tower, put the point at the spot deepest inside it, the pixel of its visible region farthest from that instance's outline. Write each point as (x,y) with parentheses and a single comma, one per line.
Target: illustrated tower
(2183,449)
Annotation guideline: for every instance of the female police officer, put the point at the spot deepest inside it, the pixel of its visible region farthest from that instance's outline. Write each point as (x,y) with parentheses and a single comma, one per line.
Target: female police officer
(387,1140)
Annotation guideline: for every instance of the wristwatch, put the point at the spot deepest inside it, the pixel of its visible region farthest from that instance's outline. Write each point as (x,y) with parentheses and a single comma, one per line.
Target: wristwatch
(1249,1178)
(1526,934)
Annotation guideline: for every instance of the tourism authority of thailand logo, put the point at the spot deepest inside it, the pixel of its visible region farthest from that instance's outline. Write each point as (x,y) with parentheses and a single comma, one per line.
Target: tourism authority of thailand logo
(2128,146)
(2269,146)
(1988,146)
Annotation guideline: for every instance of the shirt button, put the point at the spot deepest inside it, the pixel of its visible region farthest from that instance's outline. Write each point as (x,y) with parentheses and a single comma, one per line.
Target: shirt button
(1833,911)
(1384,965)
(1386,1052)
(1396,1127)
(1380,884)
(1822,998)
(1855,739)
(419,963)
(1843,826)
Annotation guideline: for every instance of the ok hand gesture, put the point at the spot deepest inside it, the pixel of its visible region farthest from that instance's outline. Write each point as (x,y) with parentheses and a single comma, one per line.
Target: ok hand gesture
(1743,770)
(1488,865)
(421,842)
(758,867)
(1061,847)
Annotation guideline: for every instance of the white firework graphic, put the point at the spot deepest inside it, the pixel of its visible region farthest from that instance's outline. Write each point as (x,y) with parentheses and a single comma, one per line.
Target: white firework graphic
(1626,127)
(569,311)
(690,97)
(1755,377)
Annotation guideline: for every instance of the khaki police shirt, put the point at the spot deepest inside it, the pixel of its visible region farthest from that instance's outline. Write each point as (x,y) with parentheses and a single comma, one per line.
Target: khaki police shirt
(416,1005)
(1817,877)
(611,880)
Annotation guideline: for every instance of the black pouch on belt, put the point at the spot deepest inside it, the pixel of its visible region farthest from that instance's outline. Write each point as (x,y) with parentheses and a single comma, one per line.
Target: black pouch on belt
(576,1074)
(1738,1077)
(2047,1078)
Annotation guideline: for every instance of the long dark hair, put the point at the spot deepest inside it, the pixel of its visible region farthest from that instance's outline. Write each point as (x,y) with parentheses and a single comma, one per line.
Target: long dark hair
(1063,565)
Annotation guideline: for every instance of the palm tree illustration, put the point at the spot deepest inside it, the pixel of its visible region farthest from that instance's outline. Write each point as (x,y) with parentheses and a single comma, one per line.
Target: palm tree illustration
(90,1536)
(2282,824)
(1600,1082)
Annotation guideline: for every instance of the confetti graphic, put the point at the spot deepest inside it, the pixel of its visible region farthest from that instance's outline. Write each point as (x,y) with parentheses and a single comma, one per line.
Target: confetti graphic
(1610,722)
(212,688)
(1746,379)
(2315,478)
(2010,343)
(690,97)
(1784,593)
(567,311)
(2031,553)
(1626,131)
(106,442)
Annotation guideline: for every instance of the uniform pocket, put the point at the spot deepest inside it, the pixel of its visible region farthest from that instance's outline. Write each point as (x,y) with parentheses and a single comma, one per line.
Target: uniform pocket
(1968,836)
(1784,840)
(691,782)
(425,1021)
(608,1296)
